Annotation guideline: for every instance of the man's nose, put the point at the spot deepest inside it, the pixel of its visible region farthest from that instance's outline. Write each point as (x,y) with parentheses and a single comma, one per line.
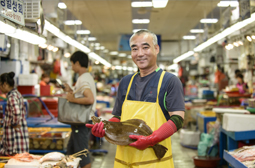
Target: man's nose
(140,52)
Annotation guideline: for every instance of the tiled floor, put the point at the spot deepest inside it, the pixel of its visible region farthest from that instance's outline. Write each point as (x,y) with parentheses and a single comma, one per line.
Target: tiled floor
(182,156)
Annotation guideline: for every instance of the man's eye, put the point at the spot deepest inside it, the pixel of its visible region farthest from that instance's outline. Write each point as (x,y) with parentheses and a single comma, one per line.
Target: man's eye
(134,49)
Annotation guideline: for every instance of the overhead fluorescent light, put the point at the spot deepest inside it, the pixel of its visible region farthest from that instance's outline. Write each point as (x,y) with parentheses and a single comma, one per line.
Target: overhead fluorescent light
(23,34)
(100,59)
(129,56)
(92,39)
(118,67)
(189,37)
(97,48)
(50,47)
(54,30)
(141,4)
(173,66)
(43,45)
(197,31)
(225,33)
(209,20)
(228,3)
(114,53)
(97,44)
(83,32)
(183,56)
(136,30)
(249,38)
(72,22)
(106,51)
(159,3)
(55,49)
(141,21)
(122,55)
(102,47)
(62,5)
(67,55)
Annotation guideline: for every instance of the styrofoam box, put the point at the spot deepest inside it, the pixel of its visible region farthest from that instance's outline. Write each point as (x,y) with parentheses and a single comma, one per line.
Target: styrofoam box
(28,79)
(238,122)
(190,138)
(13,163)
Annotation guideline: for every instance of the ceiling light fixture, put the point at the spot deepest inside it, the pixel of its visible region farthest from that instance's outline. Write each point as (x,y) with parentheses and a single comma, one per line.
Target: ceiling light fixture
(159,3)
(173,66)
(208,20)
(249,38)
(183,56)
(122,55)
(189,37)
(62,5)
(114,53)
(72,22)
(197,31)
(225,33)
(43,45)
(236,44)
(67,55)
(228,3)
(50,47)
(240,42)
(141,4)
(92,39)
(83,32)
(55,49)
(140,21)
(102,48)
(23,34)
(118,67)
(54,30)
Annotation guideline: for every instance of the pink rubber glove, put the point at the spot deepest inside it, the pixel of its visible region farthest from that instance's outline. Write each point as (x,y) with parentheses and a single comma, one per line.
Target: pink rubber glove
(165,131)
(98,128)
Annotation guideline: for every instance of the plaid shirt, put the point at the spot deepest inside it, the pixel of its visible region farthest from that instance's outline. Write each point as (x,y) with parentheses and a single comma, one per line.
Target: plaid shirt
(15,140)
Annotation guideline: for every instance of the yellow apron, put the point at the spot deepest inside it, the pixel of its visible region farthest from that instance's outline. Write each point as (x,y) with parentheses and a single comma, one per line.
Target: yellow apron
(151,113)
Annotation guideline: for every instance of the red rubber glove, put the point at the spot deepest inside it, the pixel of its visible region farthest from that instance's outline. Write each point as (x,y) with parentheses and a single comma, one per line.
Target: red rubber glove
(165,131)
(98,128)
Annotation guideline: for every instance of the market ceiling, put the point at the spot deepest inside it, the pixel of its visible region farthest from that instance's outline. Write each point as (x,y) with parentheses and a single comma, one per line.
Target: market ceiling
(108,19)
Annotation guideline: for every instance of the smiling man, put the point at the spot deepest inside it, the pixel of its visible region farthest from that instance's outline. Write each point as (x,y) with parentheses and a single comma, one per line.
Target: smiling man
(151,95)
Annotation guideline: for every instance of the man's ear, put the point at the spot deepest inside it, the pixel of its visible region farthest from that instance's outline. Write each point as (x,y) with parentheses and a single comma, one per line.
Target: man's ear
(157,48)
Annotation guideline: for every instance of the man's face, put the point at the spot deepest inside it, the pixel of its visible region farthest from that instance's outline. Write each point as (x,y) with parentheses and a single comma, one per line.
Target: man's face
(143,51)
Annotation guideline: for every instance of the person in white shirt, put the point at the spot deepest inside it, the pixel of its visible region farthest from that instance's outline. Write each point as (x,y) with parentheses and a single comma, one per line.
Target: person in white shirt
(87,95)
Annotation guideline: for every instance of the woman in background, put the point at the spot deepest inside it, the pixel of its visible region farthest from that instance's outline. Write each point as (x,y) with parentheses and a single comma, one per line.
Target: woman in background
(45,79)
(241,85)
(15,133)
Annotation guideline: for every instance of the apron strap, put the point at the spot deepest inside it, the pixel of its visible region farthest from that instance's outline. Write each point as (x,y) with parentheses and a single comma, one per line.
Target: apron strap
(130,165)
(159,84)
(129,86)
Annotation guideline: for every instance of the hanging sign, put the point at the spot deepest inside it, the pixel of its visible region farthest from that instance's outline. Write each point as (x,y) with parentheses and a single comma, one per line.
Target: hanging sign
(244,9)
(13,10)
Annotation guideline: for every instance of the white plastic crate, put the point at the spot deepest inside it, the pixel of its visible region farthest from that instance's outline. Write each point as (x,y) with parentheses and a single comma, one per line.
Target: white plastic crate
(32,10)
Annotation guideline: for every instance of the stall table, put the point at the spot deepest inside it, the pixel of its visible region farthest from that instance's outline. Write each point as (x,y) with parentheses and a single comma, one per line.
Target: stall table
(232,161)
(229,140)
